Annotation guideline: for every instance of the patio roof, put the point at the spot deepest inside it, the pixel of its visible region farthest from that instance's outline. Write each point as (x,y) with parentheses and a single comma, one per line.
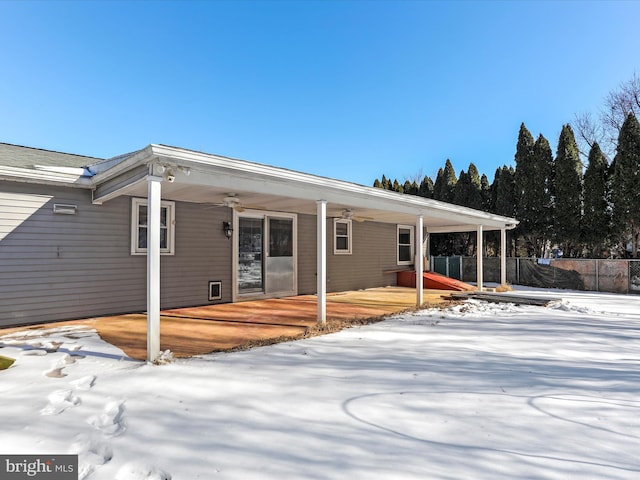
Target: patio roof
(205,178)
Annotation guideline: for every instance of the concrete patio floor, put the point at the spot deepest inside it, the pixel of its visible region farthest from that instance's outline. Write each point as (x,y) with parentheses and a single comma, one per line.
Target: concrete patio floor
(199,330)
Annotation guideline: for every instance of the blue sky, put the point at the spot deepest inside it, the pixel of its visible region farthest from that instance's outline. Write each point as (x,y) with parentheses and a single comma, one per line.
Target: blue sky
(345,89)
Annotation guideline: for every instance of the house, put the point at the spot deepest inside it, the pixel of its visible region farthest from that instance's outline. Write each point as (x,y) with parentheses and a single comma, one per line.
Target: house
(167,227)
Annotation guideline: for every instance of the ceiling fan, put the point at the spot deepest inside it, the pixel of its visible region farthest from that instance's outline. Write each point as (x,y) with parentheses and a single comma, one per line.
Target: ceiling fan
(348,214)
(232,201)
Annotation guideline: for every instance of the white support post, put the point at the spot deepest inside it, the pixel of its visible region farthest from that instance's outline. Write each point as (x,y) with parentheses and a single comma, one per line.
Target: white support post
(480,249)
(322,261)
(503,256)
(153,267)
(419,261)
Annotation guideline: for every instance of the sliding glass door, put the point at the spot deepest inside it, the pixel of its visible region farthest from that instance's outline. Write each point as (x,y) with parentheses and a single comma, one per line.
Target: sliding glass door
(266,262)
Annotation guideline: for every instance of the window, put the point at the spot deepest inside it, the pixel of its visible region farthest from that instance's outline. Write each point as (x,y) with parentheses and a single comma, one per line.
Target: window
(280,237)
(405,245)
(139,222)
(341,236)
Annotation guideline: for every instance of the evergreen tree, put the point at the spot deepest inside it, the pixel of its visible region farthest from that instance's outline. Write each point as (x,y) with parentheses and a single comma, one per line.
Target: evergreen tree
(625,184)
(597,216)
(503,200)
(410,188)
(496,190)
(461,189)
(485,193)
(397,187)
(377,183)
(445,183)
(426,187)
(474,199)
(541,198)
(445,244)
(525,187)
(438,185)
(467,190)
(534,171)
(503,192)
(567,207)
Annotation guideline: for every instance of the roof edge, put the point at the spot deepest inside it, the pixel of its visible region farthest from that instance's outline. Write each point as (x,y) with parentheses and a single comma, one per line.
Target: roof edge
(27,175)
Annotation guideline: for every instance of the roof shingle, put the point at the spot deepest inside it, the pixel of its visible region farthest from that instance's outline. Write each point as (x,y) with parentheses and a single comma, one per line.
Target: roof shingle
(28,157)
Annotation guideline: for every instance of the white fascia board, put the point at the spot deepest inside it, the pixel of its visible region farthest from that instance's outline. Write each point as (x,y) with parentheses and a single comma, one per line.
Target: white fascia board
(457,228)
(27,175)
(142,156)
(474,227)
(116,187)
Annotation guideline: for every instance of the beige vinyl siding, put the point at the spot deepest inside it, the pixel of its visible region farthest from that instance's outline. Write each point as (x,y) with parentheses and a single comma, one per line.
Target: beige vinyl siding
(373,253)
(57,267)
(203,254)
(307,227)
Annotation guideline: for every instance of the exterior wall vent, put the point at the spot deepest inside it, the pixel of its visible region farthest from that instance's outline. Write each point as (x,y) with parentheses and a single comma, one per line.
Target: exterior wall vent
(215,290)
(63,209)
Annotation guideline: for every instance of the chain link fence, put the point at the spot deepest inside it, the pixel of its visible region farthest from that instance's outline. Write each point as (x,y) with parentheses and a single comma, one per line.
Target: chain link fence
(616,276)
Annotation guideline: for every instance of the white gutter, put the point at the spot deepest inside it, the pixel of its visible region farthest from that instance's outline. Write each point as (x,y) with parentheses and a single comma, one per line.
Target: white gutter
(77,171)
(54,177)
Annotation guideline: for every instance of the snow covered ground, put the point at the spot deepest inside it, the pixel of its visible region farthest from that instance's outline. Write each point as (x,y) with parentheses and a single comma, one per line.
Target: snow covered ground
(476,391)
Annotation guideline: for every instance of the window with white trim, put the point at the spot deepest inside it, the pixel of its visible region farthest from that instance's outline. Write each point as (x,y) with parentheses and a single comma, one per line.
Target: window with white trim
(342,236)
(139,227)
(405,245)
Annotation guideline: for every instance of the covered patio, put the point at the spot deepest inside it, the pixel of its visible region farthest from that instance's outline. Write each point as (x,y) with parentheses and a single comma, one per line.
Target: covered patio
(163,173)
(194,331)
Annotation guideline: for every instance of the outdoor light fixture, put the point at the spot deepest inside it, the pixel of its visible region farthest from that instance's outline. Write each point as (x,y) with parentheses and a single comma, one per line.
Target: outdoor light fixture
(227,229)
(62,209)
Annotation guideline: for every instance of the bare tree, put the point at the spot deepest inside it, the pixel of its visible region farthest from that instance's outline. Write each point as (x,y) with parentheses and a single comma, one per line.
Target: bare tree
(619,104)
(416,177)
(606,127)
(589,132)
